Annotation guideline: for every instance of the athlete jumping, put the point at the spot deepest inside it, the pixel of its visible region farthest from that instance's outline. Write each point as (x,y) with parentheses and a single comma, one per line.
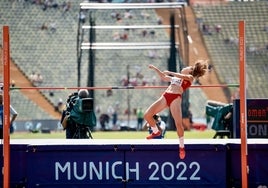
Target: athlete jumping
(172,98)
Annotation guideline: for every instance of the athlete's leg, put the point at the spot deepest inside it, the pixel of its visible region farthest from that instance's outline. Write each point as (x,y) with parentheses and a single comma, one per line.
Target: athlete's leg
(155,108)
(176,112)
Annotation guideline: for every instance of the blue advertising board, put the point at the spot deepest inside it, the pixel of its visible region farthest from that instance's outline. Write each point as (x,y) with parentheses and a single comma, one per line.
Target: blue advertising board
(158,166)
(125,165)
(75,166)
(257,118)
(257,164)
(18,158)
(80,163)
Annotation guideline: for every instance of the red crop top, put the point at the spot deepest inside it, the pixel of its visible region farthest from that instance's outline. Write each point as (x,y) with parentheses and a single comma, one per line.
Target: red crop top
(179,82)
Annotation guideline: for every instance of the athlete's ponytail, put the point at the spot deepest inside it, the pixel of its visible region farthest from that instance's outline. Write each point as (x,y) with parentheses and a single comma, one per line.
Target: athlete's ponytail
(200,68)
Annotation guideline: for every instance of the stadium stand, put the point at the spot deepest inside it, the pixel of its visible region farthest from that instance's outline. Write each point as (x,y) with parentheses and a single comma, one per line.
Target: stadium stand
(223,45)
(43,40)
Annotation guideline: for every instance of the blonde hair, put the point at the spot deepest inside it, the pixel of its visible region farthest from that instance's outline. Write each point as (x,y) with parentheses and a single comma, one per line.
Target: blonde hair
(200,68)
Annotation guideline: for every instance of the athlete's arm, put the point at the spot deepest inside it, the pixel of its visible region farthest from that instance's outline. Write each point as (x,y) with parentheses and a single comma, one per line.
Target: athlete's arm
(179,75)
(161,74)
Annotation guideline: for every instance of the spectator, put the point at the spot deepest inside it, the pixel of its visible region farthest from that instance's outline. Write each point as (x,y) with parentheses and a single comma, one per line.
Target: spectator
(60,106)
(139,114)
(145,15)
(13,115)
(154,80)
(33,76)
(109,92)
(152,33)
(128,14)
(152,54)
(66,6)
(44,26)
(218,28)
(82,17)
(206,29)
(144,33)
(118,17)
(124,36)
(210,67)
(36,79)
(199,18)
(53,27)
(115,115)
(13,83)
(159,20)
(116,36)
(265,28)
(104,120)
(124,80)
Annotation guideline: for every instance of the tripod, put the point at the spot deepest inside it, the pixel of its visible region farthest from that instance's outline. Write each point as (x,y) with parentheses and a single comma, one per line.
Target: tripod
(82,131)
(77,131)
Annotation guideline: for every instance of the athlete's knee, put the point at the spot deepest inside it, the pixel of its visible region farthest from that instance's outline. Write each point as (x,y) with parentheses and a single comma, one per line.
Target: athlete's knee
(179,124)
(147,116)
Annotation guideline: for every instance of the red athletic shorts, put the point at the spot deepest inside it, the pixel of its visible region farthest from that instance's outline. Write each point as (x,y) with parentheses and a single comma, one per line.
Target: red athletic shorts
(171,97)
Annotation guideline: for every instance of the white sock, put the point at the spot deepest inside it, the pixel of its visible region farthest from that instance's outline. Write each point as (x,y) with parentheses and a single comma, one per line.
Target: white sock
(154,129)
(181,139)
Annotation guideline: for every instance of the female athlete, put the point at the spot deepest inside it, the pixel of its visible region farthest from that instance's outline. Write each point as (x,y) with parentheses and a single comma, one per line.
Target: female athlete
(172,98)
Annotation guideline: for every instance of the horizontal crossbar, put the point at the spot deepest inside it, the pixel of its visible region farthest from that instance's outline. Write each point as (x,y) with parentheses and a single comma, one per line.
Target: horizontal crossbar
(119,87)
(131,5)
(130,27)
(125,47)
(129,45)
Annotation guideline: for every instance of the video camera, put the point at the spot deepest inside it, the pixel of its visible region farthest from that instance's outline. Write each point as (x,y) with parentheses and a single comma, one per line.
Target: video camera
(86,103)
(80,114)
(71,101)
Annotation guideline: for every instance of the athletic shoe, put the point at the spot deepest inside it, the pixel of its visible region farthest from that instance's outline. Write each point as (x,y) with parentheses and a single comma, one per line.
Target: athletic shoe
(153,135)
(182,153)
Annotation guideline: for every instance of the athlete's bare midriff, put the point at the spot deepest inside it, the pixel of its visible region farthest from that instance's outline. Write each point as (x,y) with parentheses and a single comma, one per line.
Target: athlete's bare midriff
(174,89)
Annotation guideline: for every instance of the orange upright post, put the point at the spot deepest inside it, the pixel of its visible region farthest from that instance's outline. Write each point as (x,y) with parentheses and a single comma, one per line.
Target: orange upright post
(243,105)
(6,104)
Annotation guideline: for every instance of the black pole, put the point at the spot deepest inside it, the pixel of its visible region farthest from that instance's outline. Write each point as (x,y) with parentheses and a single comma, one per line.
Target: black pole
(78,51)
(91,71)
(172,64)
(128,97)
(79,62)
(185,96)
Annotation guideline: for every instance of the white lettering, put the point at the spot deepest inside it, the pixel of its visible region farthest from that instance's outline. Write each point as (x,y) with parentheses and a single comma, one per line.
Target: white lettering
(253,130)
(136,170)
(156,169)
(164,170)
(197,166)
(107,171)
(258,130)
(184,168)
(262,130)
(84,171)
(97,172)
(114,171)
(59,168)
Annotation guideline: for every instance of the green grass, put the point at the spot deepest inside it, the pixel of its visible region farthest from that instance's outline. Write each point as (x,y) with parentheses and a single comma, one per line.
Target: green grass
(193,134)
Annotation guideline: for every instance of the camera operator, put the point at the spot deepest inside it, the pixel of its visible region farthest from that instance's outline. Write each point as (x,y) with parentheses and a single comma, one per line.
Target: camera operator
(161,125)
(78,119)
